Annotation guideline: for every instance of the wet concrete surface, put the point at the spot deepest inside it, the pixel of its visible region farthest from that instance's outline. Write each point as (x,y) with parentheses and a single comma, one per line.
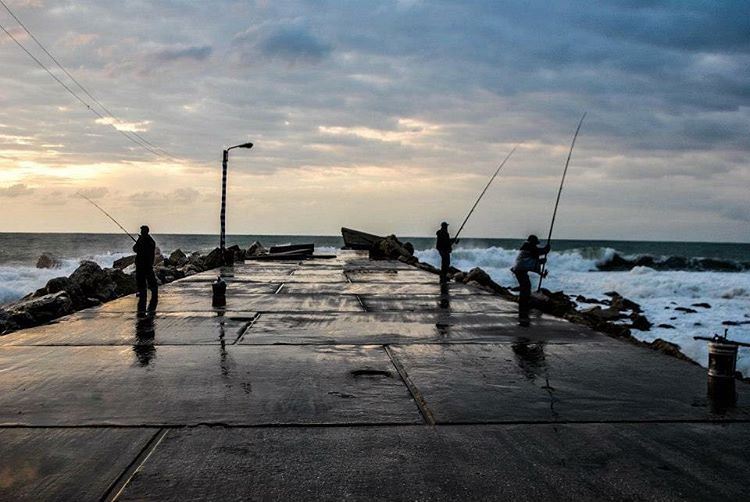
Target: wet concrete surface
(409,328)
(96,328)
(553,382)
(437,302)
(323,379)
(178,385)
(515,462)
(65,464)
(188,301)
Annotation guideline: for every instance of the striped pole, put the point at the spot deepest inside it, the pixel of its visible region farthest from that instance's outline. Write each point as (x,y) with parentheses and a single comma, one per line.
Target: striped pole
(222,240)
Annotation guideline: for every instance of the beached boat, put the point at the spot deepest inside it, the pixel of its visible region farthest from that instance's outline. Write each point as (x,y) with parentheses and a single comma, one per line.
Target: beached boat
(293,248)
(355,239)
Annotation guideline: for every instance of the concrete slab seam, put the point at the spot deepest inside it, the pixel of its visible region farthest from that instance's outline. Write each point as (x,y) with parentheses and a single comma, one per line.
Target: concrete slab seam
(117,486)
(247,328)
(361,303)
(413,390)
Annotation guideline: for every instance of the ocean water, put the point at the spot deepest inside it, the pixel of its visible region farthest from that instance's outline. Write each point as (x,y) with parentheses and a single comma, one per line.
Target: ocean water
(573,267)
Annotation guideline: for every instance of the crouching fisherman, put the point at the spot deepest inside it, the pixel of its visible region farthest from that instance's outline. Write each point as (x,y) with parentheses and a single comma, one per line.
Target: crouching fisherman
(145,252)
(444,245)
(529,259)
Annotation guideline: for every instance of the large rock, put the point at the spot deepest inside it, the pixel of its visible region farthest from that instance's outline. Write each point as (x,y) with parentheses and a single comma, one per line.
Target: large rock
(619,302)
(213,259)
(124,283)
(238,254)
(35,311)
(94,282)
(178,258)
(389,248)
(255,249)
(124,262)
(608,314)
(48,261)
(196,260)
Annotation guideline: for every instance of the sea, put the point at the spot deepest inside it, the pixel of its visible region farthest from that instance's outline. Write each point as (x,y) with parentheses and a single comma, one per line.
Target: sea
(660,276)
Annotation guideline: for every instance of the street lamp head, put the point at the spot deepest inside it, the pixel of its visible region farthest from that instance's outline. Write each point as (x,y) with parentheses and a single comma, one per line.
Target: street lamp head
(243,145)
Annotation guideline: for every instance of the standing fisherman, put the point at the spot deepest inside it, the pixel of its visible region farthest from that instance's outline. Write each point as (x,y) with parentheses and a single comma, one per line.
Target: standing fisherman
(145,251)
(528,260)
(444,245)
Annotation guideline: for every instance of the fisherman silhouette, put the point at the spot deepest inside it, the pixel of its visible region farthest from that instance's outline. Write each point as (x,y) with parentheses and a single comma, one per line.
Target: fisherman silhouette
(528,260)
(145,250)
(444,245)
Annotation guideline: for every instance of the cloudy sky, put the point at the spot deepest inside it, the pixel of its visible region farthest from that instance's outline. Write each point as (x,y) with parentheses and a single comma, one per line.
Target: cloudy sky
(387,116)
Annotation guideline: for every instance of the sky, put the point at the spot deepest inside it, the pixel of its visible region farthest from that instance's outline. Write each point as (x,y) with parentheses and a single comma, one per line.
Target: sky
(386,116)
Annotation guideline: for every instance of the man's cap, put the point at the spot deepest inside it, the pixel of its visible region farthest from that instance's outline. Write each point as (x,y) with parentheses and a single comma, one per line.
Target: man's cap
(444,224)
(533,238)
(144,227)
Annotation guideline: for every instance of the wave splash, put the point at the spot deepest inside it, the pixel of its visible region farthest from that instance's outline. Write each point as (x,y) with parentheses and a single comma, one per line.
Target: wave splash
(16,281)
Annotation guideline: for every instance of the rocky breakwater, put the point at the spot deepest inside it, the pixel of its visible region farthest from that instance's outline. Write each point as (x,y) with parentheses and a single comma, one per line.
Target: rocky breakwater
(615,316)
(91,285)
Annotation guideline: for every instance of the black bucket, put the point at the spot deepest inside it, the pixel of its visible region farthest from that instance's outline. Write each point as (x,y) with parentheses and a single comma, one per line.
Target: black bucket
(722,365)
(219,288)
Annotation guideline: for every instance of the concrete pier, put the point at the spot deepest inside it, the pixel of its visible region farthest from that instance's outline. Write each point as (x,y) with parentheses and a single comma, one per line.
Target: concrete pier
(353,379)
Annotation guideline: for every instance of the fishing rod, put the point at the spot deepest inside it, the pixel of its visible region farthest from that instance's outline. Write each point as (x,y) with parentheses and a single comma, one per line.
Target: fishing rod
(485,189)
(559,192)
(106,214)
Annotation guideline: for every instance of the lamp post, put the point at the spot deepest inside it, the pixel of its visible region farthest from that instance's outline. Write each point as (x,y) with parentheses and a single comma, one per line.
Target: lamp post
(224,162)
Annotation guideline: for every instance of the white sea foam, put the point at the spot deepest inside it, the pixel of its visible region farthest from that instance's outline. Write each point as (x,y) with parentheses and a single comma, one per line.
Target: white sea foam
(658,293)
(17,281)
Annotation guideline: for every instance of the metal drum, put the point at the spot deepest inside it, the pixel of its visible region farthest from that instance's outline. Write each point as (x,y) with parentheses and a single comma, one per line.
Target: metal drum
(722,359)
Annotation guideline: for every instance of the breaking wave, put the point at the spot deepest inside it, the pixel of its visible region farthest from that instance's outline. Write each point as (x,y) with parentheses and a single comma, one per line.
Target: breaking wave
(16,281)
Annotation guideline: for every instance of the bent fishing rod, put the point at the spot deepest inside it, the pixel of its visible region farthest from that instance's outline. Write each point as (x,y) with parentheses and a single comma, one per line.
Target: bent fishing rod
(485,190)
(559,192)
(107,215)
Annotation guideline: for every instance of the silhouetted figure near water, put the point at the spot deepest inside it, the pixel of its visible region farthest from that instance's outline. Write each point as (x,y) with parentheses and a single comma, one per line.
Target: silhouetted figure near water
(529,259)
(145,251)
(444,245)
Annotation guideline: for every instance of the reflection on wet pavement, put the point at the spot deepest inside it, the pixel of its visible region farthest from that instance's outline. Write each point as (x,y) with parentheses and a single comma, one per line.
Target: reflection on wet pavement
(145,336)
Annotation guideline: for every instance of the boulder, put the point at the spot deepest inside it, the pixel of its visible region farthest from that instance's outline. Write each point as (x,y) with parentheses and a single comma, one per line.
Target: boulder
(124,283)
(94,282)
(556,303)
(35,311)
(640,322)
(621,303)
(212,259)
(178,258)
(388,248)
(238,254)
(409,248)
(583,299)
(665,326)
(671,349)
(686,310)
(48,261)
(255,249)
(168,274)
(701,305)
(479,276)
(608,314)
(195,260)
(158,257)
(124,262)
